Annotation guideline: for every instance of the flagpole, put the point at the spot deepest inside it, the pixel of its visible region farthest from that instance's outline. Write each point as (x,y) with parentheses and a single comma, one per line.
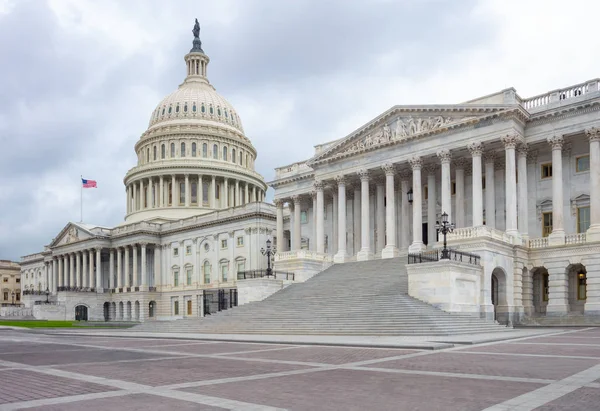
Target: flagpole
(81,202)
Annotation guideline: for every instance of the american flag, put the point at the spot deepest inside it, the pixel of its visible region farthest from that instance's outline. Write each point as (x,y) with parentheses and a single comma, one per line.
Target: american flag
(88,183)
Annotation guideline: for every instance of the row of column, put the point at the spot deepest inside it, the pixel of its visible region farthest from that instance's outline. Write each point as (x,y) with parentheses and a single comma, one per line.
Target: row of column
(154,192)
(516,197)
(79,269)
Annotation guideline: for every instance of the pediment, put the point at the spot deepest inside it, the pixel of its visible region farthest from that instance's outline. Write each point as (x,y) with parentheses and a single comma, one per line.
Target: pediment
(401,124)
(72,233)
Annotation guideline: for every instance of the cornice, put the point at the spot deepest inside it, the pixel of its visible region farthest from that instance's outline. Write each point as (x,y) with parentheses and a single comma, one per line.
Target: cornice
(291,179)
(186,134)
(563,112)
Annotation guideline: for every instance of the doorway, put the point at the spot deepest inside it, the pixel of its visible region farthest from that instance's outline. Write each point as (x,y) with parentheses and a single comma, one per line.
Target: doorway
(81,313)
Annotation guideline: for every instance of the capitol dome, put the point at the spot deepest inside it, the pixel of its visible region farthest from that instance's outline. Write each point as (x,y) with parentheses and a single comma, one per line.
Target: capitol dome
(194,158)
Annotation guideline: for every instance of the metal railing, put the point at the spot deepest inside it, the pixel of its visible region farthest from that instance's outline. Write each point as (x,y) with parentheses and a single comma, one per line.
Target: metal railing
(77,289)
(436,255)
(244,275)
(33,292)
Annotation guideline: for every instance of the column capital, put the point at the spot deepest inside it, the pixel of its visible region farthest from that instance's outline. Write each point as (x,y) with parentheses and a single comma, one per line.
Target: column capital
(143,244)
(556,142)
(297,199)
(461,163)
(522,149)
(511,140)
(363,174)
(415,162)
(444,155)
(532,156)
(186,175)
(341,180)
(430,169)
(489,156)
(278,202)
(379,181)
(475,148)
(98,249)
(404,174)
(593,134)
(389,169)
(319,185)
(313,194)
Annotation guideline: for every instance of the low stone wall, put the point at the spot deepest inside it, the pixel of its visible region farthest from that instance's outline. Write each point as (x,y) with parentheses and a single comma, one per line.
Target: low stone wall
(449,285)
(257,289)
(15,312)
(51,312)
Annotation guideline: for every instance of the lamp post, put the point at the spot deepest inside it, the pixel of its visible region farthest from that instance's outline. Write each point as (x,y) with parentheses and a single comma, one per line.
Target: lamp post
(47,295)
(409,195)
(13,297)
(445,227)
(268,252)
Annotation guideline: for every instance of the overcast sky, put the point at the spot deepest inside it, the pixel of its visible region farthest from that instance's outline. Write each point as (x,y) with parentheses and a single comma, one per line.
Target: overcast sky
(79,79)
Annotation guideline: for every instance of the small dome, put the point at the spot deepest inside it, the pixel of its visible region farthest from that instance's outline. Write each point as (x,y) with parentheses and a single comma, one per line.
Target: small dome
(195,100)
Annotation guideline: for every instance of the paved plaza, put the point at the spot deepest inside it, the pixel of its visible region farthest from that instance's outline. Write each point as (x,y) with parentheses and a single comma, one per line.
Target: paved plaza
(559,370)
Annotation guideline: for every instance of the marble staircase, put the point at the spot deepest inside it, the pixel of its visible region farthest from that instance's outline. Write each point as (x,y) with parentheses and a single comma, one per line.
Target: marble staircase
(360,298)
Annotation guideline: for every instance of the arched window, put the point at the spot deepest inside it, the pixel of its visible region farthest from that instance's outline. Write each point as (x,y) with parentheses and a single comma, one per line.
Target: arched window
(172,150)
(170,199)
(177,108)
(194,108)
(204,150)
(203,109)
(233,155)
(247,163)
(226,113)
(193,149)
(163,111)
(170,108)
(185,108)
(215,151)
(162,151)
(182,149)
(154,153)
(148,155)
(224,153)
(219,111)
(211,110)
(241,158)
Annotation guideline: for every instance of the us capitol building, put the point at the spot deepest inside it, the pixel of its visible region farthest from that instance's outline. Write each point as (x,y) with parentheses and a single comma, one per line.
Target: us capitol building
(518,177)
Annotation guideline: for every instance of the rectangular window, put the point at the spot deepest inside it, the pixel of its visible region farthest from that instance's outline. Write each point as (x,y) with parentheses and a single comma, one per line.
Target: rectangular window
(175,252)
(206,270)
(425,192)
(581,286)
(546,170)
(546,224)
(241,267)
(181,193)
(583,219)
(189,307)
(224,271)
(5,280)
(193,149)
(223,243)
(218,192)
(194,193)
(188,250)
(240,241)
(188,279)
(546,290)
(18,280)
(5,295)
(176,308)
(582,163)
(145,197)
(453,187)
(205,194)
(204,150)
(176,278)
(483,183)
(303,217)
(170,194)
(18,295)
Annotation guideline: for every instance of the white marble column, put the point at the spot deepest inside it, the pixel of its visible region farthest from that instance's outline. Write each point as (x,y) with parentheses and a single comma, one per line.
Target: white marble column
(593,233)
(84,269)
(333,242)
(390,250)
(128,202)
(510,142)
(380,215)
(158,266)
(127,279)
(445,158)
(144,273)
(54,275)
(111,269)
(431,205)
(135,196)
(342,253)
(279,222)
(296,234)
(142,195)
(78,276)
(236,199)
(365,252)
(187,191)
(523,194)
(417,243)
(490,189)
(98,269)
(313,241)
(173,187)
(356,229)
(459,196)
(119,269)
(134,255)
(404,209)
(557,237)
(246,194)
(161,193)
(225,194)
(71,270)
(476,150)
(212,198)
(59,272)
(320,233)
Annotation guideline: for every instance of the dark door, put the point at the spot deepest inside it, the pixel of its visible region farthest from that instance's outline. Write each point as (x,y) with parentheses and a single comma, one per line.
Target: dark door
(425,238)
(106,311)
(81,313)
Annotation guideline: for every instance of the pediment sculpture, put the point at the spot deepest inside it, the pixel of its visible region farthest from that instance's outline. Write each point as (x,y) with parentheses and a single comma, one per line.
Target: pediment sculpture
(404,127)
(72,235)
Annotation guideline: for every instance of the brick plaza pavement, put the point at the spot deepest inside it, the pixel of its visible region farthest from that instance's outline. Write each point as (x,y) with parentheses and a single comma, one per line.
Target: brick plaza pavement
(557,371)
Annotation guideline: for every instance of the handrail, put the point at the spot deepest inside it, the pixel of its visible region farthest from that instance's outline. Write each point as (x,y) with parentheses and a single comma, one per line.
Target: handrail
(436,255)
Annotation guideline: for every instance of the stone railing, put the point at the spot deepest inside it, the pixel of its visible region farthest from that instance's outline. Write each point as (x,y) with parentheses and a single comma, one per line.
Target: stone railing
(538,242)
(31,257)
(562,94)
(305,254)
(575,238)
(292,169)
(483,231)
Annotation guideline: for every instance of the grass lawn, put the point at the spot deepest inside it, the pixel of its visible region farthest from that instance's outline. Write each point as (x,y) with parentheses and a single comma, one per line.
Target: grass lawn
(49,324)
